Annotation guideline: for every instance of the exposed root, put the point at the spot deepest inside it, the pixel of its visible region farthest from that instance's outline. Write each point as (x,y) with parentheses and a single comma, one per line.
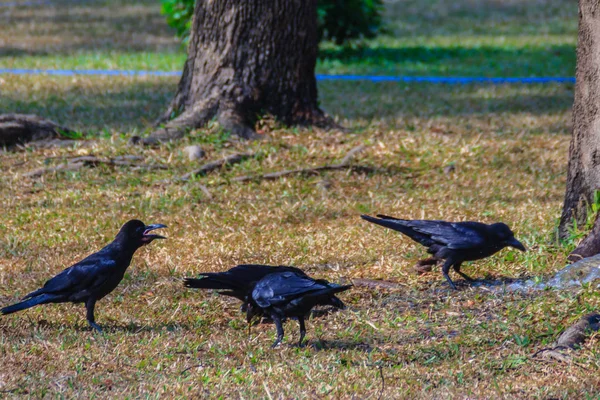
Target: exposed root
(590,246)
(213,165)
(344,164)
(77,163)
(230,118)
(376,284)
(571,339)
(235,123)
(18,129)
(194,118)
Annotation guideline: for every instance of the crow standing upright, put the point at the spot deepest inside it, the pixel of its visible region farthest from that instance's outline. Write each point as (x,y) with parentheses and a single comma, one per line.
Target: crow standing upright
(454,242)
(288,294)
(95,276)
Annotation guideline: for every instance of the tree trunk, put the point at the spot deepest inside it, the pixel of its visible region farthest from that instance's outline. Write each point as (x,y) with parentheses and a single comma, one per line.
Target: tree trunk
(583,177)
(245,59)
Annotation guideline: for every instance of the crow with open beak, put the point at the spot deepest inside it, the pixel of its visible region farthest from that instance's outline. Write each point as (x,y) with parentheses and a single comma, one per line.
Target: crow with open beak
(95,276)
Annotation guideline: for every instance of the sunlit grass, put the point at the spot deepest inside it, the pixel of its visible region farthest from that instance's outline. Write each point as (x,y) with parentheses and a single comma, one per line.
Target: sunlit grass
(508,145)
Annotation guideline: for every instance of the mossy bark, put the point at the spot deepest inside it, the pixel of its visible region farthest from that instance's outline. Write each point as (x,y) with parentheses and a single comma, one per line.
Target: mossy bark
(245,59)
(583,177)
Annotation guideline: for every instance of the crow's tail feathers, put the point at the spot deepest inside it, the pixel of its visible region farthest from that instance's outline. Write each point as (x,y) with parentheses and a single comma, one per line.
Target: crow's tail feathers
(331,290)
(210,281)
(400,226)
(34,301)
(388,222)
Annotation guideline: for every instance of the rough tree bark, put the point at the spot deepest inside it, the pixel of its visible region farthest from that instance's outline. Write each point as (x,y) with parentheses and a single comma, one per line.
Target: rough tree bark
(247,58)
(583,177)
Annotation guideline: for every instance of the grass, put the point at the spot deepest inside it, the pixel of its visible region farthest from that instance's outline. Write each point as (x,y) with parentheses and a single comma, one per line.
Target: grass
(509,147)
(467,38)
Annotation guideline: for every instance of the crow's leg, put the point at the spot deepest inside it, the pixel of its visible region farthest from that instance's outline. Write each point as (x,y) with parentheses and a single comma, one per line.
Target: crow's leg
(465,276)
(89,305)
(302,330)
(445,270)
(279,327)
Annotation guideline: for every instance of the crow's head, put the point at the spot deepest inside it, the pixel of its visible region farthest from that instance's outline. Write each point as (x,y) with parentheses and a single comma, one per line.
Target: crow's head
(137,232)
(252,311)
(506,236)
(337,303)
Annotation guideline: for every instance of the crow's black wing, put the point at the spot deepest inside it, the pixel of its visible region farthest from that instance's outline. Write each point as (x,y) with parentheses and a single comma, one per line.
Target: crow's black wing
(454,235)
(240,277)
(90,272)
(280,288)
(400,225)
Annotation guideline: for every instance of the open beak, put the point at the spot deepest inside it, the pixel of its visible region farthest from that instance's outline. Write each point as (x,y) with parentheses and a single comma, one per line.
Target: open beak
(149,228)
(516,244)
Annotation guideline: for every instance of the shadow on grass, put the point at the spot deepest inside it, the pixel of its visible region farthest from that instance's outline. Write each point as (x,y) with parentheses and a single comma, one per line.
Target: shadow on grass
(108,327)
(92,104)
(426,54)
(490,61)
(399,101)
(326,345)
(486,17)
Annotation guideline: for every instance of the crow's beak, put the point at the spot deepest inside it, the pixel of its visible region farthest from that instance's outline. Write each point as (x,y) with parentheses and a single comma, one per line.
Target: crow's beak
(516,244)
(149,228)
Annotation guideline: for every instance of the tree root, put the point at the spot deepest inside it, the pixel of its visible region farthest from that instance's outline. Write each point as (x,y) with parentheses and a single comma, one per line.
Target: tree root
(76,163)
(377,284)
(194,118)
(230,117)
(590,246)
(344,164)
(213,165)
(18,129)
(571,339)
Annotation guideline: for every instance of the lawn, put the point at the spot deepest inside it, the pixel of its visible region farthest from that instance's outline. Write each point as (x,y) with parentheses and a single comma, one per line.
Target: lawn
(508,145)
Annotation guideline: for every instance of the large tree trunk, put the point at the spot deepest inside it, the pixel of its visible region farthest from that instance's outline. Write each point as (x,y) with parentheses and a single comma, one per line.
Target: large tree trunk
(583,177)
(247,58)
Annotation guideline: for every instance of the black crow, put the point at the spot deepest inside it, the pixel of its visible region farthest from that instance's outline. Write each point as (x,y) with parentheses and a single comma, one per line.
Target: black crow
(454,242)
(288,294)
(95,276)
(238,281)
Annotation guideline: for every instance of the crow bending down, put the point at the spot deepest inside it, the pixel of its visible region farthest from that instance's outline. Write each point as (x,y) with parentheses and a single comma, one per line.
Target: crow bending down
(239,281)
(454,242)
(236,282)
(95,276)
(287,294)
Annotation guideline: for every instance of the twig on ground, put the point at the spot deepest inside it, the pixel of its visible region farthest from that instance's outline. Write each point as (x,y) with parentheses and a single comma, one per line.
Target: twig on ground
(382,381)
(344,164)
(192,367)
(372,283)
(213,165)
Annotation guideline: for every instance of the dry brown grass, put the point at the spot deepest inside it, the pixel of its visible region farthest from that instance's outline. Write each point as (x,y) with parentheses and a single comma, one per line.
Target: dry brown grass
(430,342)
(508,144)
